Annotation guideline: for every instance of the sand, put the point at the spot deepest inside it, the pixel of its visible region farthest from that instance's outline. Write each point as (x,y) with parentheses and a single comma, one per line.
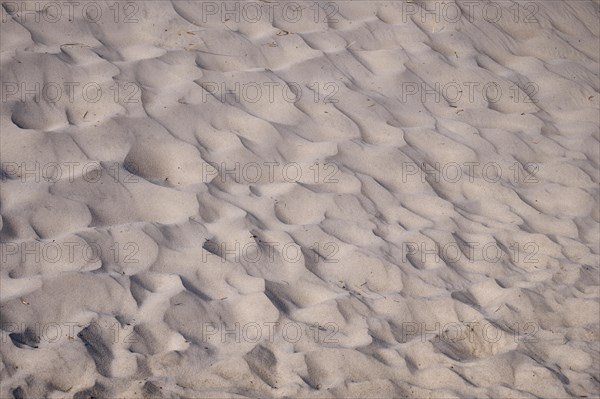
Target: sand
(350,199)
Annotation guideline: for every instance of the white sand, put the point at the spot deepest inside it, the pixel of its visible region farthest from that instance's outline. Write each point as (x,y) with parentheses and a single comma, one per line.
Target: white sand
(351,199)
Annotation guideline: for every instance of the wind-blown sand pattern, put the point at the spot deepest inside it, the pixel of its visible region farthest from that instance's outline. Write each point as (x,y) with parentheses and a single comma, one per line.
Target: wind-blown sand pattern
(344,199)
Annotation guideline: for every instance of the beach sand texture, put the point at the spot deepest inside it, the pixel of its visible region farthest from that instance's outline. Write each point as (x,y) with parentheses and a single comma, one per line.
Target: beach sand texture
(352,199)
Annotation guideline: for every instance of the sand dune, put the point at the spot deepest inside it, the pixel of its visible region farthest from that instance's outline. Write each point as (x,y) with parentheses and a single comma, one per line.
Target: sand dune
(300,199)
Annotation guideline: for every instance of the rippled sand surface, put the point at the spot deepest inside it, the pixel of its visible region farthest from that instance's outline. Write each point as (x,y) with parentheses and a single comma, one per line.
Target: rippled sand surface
(345,199)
